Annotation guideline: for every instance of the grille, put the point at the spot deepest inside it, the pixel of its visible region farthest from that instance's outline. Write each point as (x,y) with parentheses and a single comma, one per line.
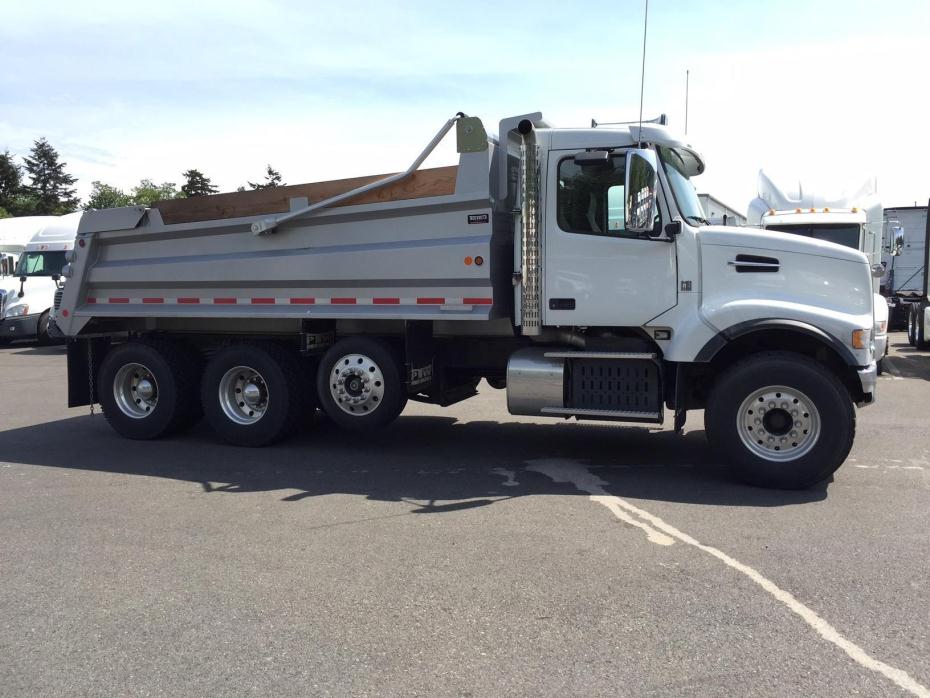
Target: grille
(615,385)
(57,303)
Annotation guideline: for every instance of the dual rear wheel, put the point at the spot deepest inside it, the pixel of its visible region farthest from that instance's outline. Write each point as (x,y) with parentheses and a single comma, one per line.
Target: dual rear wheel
(251,394)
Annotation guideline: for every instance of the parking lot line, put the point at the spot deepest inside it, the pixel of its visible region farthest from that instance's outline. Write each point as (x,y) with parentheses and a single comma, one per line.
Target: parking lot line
(569,471)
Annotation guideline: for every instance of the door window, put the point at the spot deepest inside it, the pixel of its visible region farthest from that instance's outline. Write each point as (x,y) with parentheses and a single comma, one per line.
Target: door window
(591,198)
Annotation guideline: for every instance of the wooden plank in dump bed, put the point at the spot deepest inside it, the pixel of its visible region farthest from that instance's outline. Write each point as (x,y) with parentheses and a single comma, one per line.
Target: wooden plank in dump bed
(438,181)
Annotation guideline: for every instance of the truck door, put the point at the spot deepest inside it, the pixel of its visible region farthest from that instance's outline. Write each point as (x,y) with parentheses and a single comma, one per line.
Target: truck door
(595,272)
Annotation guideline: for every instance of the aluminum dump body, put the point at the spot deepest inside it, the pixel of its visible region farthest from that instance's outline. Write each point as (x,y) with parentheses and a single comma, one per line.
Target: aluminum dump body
(427,248)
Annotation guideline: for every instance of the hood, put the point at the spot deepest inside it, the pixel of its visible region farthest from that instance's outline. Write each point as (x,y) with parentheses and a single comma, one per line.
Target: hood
(773,241)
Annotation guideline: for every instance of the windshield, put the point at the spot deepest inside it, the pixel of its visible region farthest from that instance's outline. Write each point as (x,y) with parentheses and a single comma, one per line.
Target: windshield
(846,235)
(40,263)
(685,195)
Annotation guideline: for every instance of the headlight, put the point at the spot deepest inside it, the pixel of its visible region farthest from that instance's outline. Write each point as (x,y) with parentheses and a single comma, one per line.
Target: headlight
(16,311)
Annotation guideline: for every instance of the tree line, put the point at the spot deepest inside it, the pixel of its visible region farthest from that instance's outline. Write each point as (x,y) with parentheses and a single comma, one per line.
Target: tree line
(41,186)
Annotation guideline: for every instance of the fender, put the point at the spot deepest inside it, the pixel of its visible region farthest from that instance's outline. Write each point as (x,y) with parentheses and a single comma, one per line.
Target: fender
(720,340)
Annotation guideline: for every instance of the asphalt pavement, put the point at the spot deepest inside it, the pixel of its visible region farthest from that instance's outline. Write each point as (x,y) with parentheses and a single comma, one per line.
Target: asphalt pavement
(461,552)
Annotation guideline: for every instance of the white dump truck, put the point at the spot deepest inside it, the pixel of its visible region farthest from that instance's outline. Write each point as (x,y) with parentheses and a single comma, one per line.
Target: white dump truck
(571,267)
(853,221)
(36,246)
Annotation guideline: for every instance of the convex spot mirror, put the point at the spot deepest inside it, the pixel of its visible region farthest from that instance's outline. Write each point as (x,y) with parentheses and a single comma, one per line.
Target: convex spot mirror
(642,176)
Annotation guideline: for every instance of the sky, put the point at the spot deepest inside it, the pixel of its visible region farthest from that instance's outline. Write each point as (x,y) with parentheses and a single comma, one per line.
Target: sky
(828,92)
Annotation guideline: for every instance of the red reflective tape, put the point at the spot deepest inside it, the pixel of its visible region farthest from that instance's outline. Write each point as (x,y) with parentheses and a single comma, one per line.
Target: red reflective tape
(91,301)
(153,300)
(189,301)
(262,301)
(476,301)
(64,313)
(342,301)
(386,301)
(118,300)
(303,301)
(430,301)
(224,301)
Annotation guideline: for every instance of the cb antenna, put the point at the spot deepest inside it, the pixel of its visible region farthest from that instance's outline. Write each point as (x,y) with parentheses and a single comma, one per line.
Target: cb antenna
(642,79)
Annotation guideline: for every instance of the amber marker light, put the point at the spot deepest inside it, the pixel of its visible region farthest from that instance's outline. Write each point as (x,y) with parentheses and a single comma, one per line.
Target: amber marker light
(468,261)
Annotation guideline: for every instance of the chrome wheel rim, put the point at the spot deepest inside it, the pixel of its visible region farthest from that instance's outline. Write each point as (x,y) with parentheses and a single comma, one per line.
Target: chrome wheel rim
(356,384)
(243,395)
(135,390)
(778,423)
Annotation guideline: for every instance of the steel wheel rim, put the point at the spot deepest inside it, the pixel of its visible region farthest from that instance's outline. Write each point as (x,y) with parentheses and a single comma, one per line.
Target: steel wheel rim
(356,384)
(243,394)
(135,390)
(778,423)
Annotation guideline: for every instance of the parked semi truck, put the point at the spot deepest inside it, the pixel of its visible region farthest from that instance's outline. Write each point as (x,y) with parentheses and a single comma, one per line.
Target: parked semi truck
(571,267)
(853,221)
(904,262)
(918,304)
(36,247)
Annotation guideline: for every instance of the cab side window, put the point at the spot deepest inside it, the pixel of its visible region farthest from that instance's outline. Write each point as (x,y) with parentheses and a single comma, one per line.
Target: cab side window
(591,198)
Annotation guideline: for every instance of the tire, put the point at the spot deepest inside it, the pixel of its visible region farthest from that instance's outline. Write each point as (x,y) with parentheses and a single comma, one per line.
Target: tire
(879,366)
(42,330)
(268,378)
(920,333)
(824,411)
(170,372)
(911,337)
(374,395)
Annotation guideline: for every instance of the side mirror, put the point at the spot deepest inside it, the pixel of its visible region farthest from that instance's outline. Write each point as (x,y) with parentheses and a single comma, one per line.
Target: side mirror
(897,244)
(642,176)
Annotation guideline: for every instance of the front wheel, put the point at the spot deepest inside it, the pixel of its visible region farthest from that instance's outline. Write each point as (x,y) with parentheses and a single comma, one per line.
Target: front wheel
(911,337)
(920,333)
(359,384)
(782,420)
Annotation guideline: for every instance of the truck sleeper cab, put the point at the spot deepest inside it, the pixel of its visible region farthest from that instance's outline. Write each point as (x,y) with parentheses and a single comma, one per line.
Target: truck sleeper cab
(571,267)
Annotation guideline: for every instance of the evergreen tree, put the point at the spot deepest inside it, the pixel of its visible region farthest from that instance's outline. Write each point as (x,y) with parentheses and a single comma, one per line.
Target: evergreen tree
(147,192)
(197,184)
(11,180)
(50,186)
(104,196)
(272,179)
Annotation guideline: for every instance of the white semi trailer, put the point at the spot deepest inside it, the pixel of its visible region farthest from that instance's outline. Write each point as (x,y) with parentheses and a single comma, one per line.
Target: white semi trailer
(918,302)
(853,221)
(572,267)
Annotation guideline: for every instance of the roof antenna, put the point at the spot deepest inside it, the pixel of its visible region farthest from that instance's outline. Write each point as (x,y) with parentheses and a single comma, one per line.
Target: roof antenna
(642,80)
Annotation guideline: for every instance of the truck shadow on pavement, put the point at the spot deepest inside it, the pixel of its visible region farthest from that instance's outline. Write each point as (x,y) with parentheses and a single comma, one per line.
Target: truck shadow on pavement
(909,362)
(436,464)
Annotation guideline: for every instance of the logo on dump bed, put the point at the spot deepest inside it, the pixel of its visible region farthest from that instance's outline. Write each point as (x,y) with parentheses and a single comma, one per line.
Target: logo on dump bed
(477,218)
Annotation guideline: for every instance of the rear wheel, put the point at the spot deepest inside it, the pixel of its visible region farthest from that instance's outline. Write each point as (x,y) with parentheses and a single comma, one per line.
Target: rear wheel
(911,337)
(253,394)
(147,389)
(782,420)
(359,384)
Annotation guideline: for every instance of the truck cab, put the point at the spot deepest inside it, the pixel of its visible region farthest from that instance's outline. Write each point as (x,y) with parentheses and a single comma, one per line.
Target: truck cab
(854,221)
(30,290)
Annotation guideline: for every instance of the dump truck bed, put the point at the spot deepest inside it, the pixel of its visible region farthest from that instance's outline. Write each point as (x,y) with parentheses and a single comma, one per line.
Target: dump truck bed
(428,247)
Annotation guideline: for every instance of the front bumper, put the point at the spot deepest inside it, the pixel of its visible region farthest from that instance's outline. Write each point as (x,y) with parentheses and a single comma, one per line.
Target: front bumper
(23,327)
(868,379)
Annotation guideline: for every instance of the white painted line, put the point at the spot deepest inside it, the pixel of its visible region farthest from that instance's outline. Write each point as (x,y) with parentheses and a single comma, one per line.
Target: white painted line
(563,470)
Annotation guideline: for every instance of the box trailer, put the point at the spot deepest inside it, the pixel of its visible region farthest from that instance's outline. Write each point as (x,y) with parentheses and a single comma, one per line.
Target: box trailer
(918,297)
(572,268)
